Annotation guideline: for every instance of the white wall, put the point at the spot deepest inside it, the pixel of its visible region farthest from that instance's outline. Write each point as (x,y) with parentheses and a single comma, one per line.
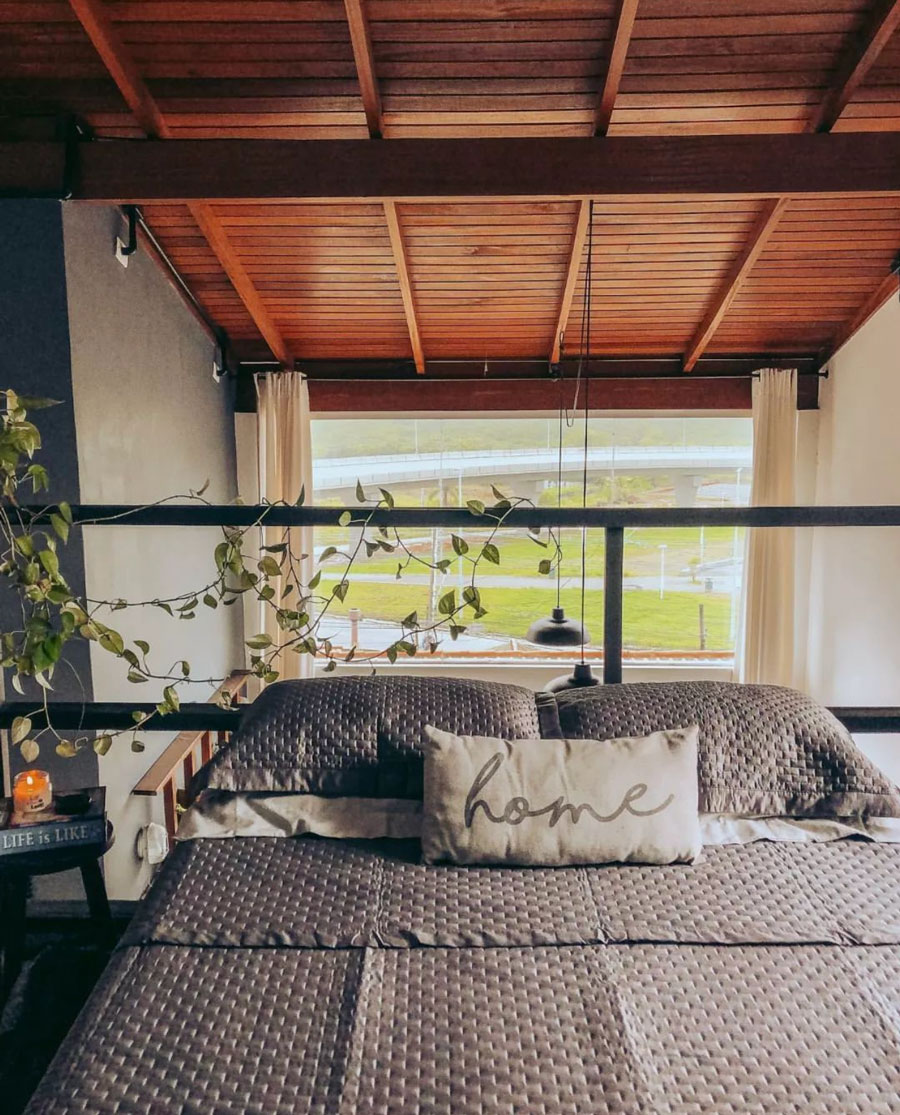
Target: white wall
(854,623)
(151,422)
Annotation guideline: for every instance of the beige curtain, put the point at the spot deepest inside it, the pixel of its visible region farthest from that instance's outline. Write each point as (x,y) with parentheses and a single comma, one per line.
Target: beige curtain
(285,468)
(768,629)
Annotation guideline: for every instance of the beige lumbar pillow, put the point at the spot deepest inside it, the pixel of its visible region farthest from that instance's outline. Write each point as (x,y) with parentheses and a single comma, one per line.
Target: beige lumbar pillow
(561,801)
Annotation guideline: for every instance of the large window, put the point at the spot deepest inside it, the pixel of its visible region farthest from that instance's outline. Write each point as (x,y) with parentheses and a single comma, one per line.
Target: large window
(682,586)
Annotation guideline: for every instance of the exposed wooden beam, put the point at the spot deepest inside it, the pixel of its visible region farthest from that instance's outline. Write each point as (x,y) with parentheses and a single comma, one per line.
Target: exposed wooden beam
(615,66)
(579,236)
(858,62)
(740,269)
(117,60)
(211,228)
(540,167)
(361,42)
(398,247)
(887,290)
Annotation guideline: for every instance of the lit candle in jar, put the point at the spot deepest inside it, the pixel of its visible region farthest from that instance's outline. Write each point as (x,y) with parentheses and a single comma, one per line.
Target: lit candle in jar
(32,792)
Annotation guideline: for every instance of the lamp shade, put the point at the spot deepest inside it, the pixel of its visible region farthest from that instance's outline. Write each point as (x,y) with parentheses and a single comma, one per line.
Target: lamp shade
(557,631)
(580,677)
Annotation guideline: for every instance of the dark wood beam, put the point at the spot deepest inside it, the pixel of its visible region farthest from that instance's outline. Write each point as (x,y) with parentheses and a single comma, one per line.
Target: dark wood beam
(361,41)
(539,167)
(615,67)
(857,63)
(493,395)
(737,274)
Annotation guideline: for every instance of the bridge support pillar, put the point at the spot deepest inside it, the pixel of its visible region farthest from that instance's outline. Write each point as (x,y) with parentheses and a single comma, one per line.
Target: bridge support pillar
(686,489)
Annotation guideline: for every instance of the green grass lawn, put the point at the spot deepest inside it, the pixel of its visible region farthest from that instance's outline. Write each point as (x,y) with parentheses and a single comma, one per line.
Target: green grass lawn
(520,556)
(649,623)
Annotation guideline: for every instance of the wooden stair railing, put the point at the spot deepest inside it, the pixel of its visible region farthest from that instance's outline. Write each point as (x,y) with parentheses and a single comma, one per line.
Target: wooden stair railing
(181,756)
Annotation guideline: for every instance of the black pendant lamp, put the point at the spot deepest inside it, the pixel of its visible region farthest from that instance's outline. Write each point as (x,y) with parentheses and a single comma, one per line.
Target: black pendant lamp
(582,675)
(556,630)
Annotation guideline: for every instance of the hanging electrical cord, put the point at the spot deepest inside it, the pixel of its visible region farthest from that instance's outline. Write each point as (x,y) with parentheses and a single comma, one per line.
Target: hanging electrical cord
(586,358)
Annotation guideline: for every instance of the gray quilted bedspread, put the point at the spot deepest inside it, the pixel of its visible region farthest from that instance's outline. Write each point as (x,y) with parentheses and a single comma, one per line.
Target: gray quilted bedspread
(292,977)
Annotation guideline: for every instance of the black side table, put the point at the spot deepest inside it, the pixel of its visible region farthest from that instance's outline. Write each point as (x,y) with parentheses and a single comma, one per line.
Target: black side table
(15,873)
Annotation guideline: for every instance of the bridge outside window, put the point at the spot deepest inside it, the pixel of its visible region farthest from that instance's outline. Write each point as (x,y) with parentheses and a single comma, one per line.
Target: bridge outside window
(682,586)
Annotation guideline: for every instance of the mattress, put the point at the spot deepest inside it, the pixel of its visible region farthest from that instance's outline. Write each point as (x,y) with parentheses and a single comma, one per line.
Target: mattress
(316,976)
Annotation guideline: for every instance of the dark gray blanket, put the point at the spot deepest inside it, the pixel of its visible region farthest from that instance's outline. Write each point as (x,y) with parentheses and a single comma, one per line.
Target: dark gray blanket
(289,977)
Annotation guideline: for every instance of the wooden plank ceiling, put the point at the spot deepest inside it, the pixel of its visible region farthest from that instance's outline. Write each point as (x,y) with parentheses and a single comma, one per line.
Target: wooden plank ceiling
(491,279)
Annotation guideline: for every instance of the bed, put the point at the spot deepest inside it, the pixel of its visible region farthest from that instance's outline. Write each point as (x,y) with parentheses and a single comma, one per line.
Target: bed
(272,974)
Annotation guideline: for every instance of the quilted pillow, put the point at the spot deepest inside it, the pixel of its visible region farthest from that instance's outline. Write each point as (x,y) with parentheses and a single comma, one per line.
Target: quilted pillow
(358,736)
(764,750)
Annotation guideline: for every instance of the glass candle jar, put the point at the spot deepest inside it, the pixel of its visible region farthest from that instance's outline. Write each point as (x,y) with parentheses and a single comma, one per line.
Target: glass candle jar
(32,792)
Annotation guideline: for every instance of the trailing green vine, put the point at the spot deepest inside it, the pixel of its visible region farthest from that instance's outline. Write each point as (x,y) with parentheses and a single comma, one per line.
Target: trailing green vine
(50,613)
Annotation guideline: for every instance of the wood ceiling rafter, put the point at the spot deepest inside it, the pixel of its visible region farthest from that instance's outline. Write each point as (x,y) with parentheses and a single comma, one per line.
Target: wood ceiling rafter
(616,65)
(885,292)
(857,63)
(766,223)
(364,60)
(852,72)
(579,236)
(93,17)
(398,247)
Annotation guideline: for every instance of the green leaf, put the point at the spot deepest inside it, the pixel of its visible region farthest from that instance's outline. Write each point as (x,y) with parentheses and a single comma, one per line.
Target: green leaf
(444,564)
(269,566)
(456,629)
(345,519)
(210,601)
(387,497)
(314,580)
(102,744)
(137,746)
(221,553)
(301,499)
(447,603)
(136,677)
(544,566)
(67,749)
(276,548)
(50,562)
(460,545)
(163,605)
(111,641)
(143,645)
(66,511)
(391,653)
(24,544)
(21,726)
(340,590)
(490,553)
(170,696)
(360,493)
(61,527)
(475,506)
(329,666)
(328,552)
(407,647)
(259,642)
(185,668)
(202,488)
(412,620)
(499,495)
(137,716)
(30,750)
(33,402)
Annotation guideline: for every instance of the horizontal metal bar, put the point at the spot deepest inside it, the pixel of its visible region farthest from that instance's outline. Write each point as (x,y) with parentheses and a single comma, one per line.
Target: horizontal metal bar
(186,515)
(867,720)
(90,716)
(111,715)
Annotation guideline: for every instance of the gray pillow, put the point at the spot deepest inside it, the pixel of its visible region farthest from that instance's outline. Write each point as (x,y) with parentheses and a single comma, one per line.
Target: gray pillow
(557,802)
(763,750)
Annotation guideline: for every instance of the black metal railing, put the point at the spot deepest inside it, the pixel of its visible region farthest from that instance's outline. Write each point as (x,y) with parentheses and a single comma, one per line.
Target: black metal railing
(105,715)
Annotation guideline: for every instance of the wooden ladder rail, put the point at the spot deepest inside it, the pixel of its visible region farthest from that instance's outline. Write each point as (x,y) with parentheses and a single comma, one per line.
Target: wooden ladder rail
(180,757)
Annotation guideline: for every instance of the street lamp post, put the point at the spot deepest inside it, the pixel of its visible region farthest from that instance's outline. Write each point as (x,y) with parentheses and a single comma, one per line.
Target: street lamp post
(662,570)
